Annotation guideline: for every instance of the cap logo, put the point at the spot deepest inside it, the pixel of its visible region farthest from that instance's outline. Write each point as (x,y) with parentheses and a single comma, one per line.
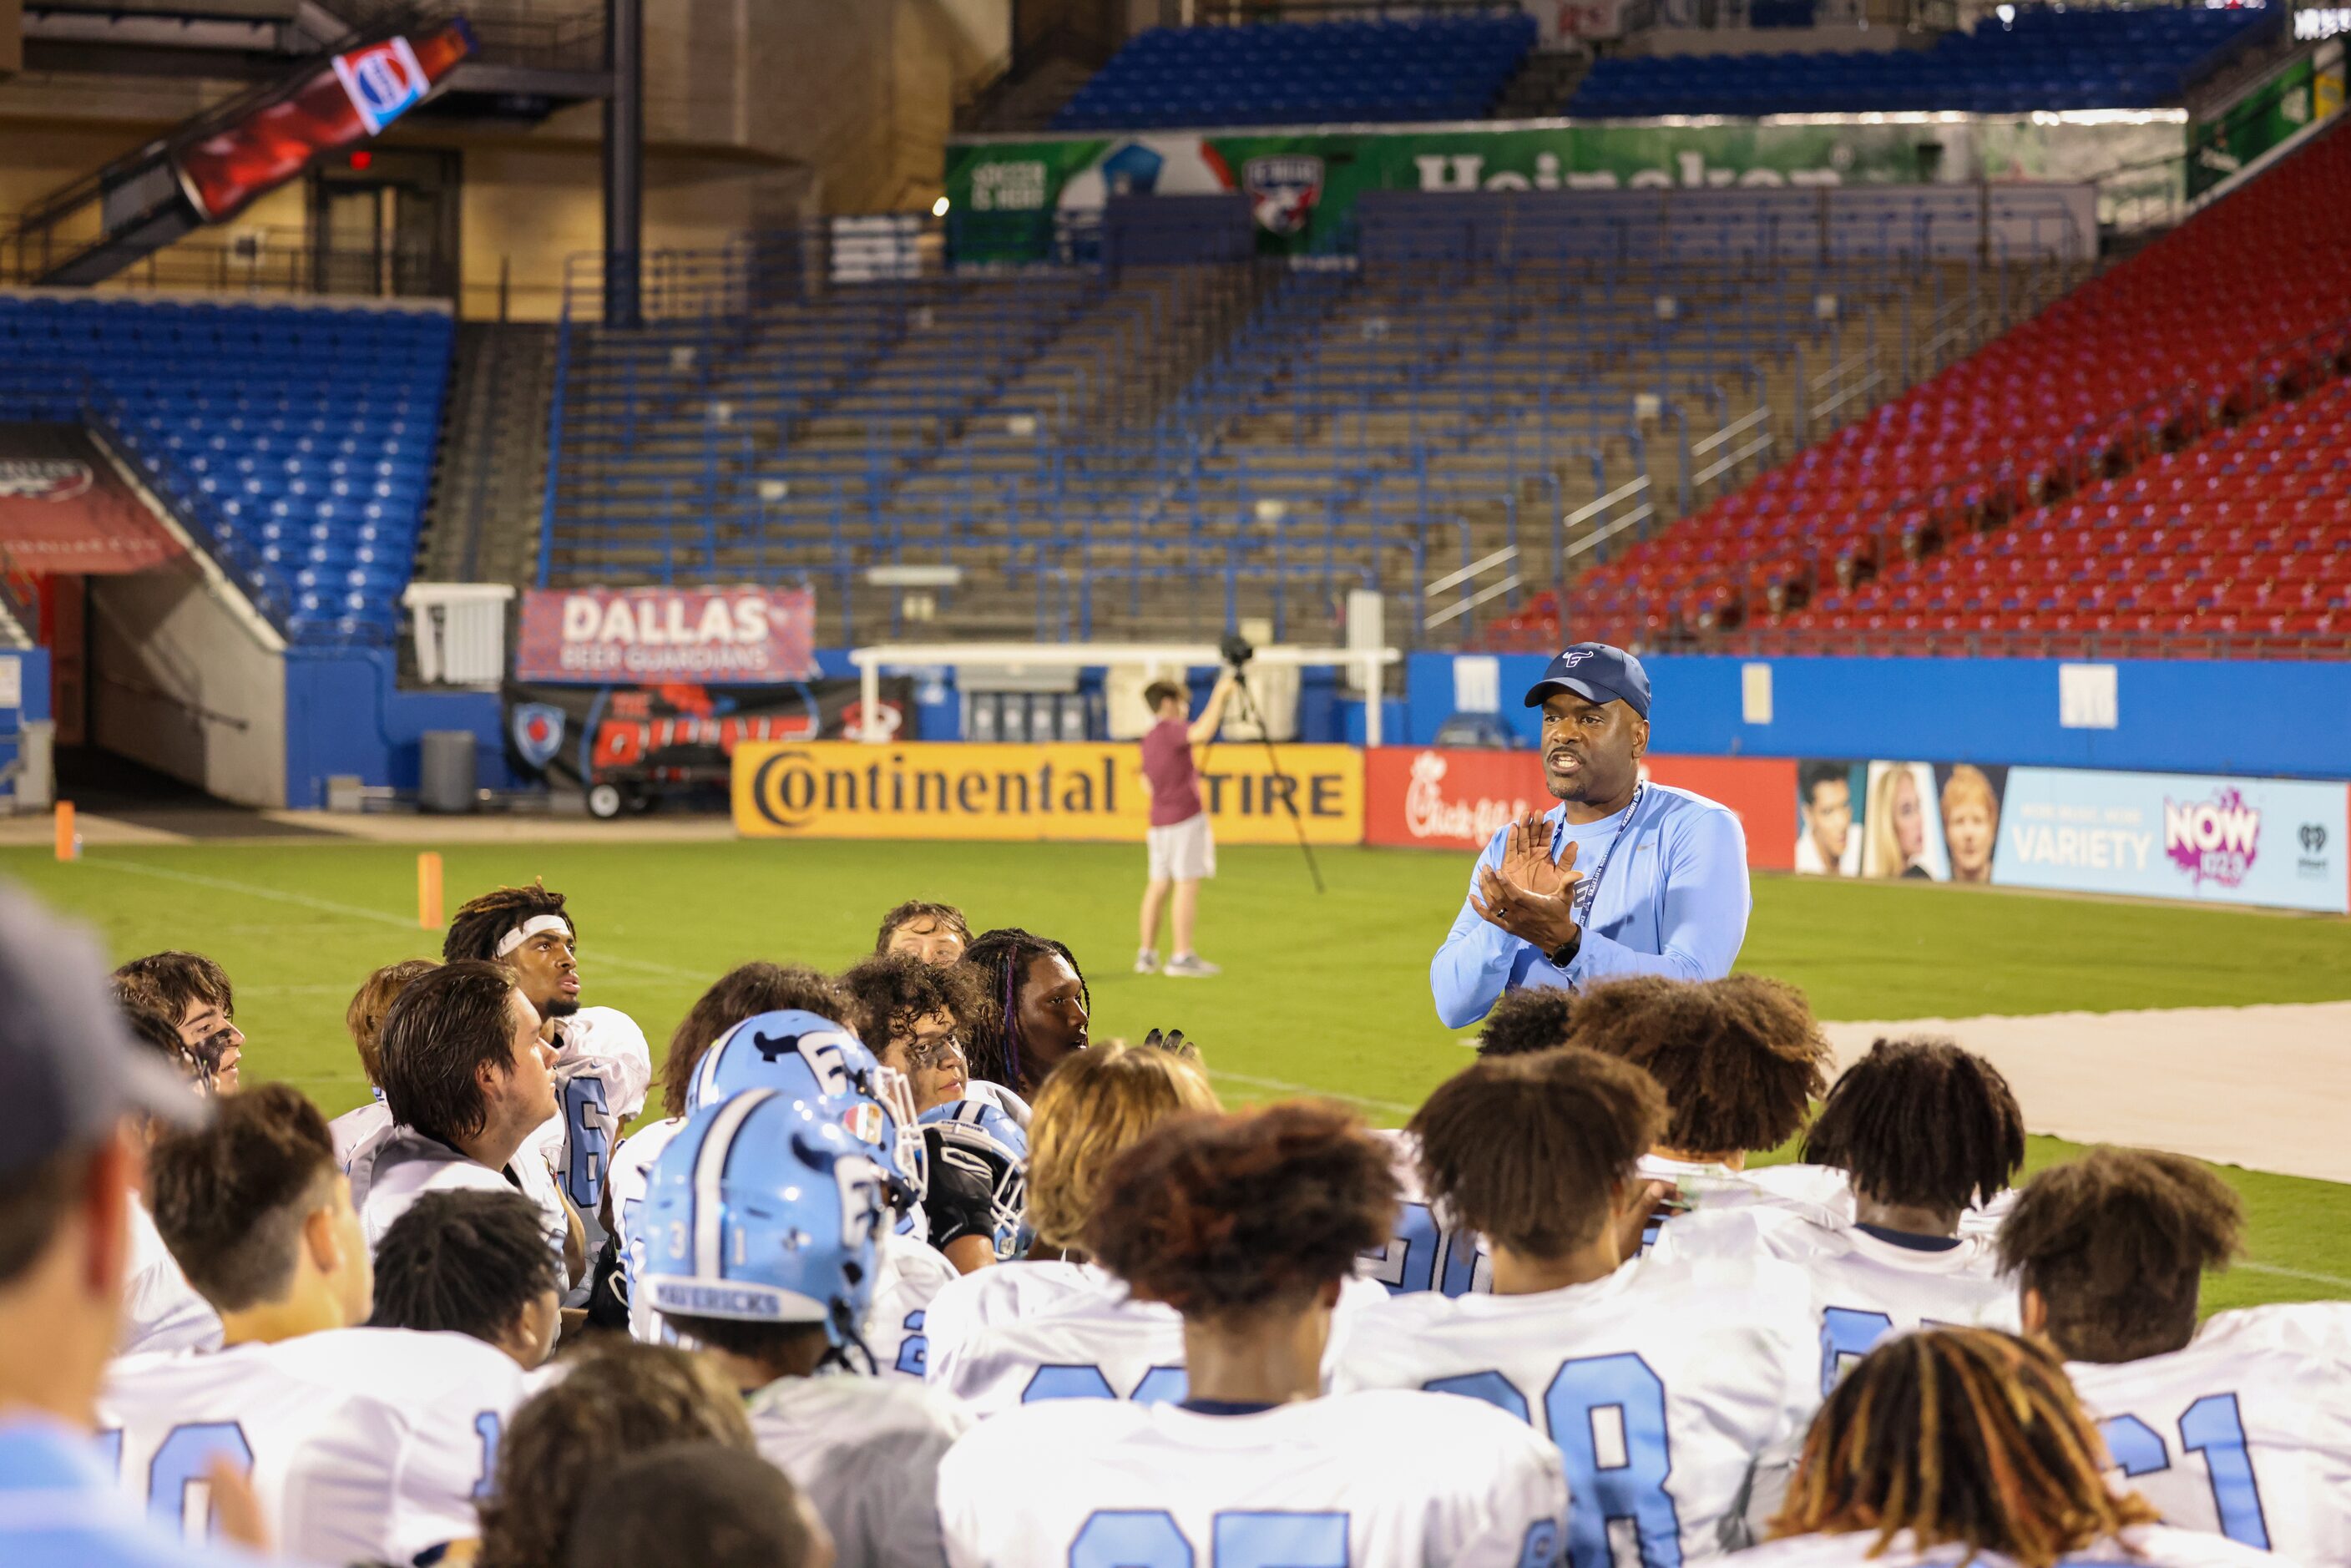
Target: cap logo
(1569,661)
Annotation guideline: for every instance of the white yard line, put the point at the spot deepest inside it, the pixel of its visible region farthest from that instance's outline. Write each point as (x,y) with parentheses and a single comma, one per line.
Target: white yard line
(1282,1087)
(2262,1087)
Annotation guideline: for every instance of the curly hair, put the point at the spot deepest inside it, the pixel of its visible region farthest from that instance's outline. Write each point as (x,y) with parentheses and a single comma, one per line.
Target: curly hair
(1530,1151)
(475,929)
(999,961)
(364,1016)
(704,1504)
(1921,1122)
(465,1262)
(743,992)
(1095,1107)
(620,1398)
(946,914)
(1965,1437)
(1531,1019)
(1740,1058)
(2116,1243)
(888,994)
(1221,1216)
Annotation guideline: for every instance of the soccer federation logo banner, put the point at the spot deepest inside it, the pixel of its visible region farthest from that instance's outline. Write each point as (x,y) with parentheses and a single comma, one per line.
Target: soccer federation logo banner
(1282,190)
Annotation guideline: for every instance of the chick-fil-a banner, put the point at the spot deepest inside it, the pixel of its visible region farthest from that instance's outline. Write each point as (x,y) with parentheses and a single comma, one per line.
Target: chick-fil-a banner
(709,636)
(1423,797)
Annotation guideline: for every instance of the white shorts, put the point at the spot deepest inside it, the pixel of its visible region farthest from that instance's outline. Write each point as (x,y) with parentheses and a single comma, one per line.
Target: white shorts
(1183,852)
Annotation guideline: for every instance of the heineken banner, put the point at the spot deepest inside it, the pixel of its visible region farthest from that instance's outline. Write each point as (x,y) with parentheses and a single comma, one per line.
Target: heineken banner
(1302,185)
(2305,89)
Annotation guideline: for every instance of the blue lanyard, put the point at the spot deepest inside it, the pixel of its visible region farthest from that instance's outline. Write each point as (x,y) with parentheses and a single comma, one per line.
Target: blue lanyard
(1587,891)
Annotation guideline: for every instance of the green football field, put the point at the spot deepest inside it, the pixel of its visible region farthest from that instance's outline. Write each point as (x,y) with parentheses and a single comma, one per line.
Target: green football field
(1327,994)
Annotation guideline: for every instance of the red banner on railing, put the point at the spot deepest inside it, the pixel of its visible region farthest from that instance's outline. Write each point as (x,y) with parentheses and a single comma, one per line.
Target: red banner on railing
(1421,797)
(644,636)
(63,508)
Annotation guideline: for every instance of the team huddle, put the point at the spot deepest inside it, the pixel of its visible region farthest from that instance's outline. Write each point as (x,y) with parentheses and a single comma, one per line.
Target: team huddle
(910,1271)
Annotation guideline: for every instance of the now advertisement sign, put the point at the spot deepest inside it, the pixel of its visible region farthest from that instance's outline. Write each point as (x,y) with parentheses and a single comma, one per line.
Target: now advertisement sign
(2274,842)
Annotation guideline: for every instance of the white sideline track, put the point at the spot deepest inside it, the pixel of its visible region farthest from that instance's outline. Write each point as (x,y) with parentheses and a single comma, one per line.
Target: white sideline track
(2263,1087)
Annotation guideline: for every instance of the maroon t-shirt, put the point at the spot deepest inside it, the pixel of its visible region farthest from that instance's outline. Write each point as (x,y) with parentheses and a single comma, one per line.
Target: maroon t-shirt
(1167,765)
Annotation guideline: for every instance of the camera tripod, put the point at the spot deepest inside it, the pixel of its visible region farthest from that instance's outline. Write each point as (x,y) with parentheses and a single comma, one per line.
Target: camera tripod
(1246,709)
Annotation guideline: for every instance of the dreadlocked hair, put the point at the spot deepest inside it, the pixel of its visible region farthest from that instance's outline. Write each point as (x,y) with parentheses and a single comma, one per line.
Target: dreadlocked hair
(1531,1151)
(1529,1020)
(1959,1436)
(999,961)
(743,992)
(1922,1122)
(1741,1059)
(2116,1243)
(475,929)
(1222,1216)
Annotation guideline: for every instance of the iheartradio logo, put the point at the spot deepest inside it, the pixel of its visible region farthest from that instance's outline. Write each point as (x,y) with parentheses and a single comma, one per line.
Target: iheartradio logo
(2213,840)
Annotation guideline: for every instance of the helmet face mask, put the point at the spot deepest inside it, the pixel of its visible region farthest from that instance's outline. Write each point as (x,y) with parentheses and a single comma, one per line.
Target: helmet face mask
(981,1140)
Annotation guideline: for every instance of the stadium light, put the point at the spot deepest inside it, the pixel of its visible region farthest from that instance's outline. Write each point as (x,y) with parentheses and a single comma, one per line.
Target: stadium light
(939,208)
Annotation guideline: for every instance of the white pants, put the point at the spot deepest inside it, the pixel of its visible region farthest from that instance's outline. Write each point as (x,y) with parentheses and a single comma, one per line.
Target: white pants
(1183,852)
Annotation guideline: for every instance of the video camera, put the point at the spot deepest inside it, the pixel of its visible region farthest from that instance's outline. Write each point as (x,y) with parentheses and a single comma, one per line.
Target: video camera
(1237,650)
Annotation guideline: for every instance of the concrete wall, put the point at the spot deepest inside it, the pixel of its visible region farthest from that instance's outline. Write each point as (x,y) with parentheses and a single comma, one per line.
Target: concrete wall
(181,681)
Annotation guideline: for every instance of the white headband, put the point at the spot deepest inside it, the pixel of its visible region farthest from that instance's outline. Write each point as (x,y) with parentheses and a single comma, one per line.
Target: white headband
(528,929)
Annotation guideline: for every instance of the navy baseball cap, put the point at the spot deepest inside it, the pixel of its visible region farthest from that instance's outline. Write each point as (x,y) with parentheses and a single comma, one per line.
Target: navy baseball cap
(1596,672)
(69,1068)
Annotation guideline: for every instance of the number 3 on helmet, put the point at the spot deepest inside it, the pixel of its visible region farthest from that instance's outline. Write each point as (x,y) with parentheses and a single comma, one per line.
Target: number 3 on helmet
(810,1056)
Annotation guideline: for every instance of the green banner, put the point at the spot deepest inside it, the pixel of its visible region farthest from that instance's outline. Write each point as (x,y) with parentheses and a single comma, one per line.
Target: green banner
(1302,185)
(2305,89)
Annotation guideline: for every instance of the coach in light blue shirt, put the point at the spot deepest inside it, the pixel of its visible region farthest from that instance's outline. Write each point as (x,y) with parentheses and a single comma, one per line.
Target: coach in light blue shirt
(1622,877)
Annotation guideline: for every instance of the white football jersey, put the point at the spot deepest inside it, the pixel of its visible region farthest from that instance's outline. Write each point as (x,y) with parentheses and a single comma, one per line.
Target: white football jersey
(630,1177)
(1004,1294)
(362,1444)
(161,1311)
(1678,1393)
(2246,1432)
(398,1165)
(1093,1344)
(356,1126)
(603,1069)
(2141,1546)
(1385,1479)
(866,1450)
(1425,1254)
(908,1273)
(1864,1287)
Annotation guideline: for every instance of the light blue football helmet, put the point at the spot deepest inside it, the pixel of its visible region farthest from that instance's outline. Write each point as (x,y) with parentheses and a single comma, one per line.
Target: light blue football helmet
(764,1210)
(980,1138)
(810,1056)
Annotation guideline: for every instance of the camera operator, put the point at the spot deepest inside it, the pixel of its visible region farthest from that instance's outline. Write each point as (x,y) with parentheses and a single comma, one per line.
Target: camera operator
(1182,850)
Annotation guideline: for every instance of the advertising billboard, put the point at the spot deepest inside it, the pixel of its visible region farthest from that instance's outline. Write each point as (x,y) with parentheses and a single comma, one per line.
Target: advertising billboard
(1426,797)
(63,508)
(1071,792)
(2176,835)
(712,636)
(677,734)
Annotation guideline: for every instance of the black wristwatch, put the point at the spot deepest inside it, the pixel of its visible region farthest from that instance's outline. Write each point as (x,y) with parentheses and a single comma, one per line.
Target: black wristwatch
(1564,953)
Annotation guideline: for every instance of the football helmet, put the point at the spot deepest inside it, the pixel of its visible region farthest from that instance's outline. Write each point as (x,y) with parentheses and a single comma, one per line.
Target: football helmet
(987,1152)
(810,1056)
(763,1209)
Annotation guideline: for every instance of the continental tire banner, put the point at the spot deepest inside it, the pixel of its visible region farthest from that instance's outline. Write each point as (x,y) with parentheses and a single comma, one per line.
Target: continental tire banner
(1303,185)
(1425,797)
(1029,793)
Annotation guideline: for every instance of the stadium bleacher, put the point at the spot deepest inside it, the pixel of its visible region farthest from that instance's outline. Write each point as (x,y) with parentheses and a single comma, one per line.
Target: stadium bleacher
(1428,67)
(297,440)
(2048,57)
(2141,360)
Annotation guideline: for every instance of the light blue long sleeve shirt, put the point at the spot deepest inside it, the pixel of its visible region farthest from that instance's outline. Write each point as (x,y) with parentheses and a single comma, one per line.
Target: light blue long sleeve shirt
(60,1508)
(1674,901)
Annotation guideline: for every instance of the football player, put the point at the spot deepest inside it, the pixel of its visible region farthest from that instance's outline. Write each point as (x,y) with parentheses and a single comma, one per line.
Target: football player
(472,1263)
(161,1311)
(2243,1429)
(362,1443)
(1034,1013)
(1922,1129)
(932,933)
(810,1056)
(1248,1226)
(617,1399)
(1741,1059)
(468,1082)
(766,1214)
(1097,1103)
(1675,1392)
(364,1019)
(912,1015)
(1950,1446)
(193,993)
